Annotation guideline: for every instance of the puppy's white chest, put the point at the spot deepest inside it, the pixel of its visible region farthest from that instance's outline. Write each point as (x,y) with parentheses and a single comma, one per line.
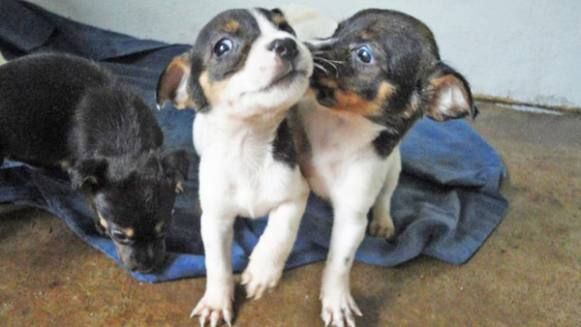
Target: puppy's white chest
(338,141)
(238,172)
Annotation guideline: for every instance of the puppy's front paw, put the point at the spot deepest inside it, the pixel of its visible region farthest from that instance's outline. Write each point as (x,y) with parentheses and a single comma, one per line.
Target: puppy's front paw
(214,307)
(259,277)
(381,226)
(338,309)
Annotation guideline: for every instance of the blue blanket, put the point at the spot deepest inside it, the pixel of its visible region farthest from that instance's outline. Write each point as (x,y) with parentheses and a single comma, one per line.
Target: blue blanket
(446,205)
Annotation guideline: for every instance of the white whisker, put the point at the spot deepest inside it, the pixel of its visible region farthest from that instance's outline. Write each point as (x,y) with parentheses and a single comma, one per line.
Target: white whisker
(325,61)
(321,67)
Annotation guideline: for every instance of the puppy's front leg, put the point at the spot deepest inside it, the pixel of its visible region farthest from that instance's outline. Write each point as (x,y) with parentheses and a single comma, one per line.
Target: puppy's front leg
(347,234)
(270,254)
(216,304)
(381,222)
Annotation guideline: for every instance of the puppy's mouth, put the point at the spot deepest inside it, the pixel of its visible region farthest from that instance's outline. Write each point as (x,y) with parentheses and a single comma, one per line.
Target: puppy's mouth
(283,80)
(287,77)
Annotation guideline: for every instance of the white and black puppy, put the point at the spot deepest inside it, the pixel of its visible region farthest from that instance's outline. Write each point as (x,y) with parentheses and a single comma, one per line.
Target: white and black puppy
(374,77)
(243,74)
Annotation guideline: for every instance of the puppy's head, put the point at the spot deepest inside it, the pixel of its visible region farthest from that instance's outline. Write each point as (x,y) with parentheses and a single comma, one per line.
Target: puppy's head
(133,199)
(247,62)
(385,65)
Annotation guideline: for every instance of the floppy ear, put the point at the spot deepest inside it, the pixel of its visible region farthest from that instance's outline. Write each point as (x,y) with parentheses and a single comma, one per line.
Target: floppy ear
(447,95)
(88,175)
(179,84)
(176,164)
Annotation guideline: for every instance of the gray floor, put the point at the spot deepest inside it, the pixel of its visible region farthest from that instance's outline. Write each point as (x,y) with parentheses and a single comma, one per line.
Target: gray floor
(527,273)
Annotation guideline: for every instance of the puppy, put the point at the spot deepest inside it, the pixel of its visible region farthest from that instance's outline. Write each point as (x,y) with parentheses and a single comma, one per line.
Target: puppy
(374,77)
(64,111)
(243,74)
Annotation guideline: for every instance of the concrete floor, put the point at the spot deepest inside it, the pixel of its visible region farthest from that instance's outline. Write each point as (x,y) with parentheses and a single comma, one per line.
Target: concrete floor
(527,273)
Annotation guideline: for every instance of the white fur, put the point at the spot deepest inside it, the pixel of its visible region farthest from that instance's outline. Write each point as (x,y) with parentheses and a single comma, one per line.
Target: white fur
(238,176)
(182,90)
(343,167)
(451,97)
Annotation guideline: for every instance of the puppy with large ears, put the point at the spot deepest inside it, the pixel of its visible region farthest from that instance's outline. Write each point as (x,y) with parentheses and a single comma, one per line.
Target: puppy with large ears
(243,74)
(374,77)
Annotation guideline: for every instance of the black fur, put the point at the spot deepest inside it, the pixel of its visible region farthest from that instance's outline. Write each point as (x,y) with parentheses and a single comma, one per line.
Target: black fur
(280,22)
(283,146)
(384,143)
(64,111)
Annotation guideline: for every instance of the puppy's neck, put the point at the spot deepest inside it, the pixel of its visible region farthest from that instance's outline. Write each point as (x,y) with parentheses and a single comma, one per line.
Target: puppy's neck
(260,124)
(220,133)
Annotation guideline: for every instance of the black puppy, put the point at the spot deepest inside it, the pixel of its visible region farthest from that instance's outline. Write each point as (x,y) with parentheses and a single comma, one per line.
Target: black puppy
(64,111)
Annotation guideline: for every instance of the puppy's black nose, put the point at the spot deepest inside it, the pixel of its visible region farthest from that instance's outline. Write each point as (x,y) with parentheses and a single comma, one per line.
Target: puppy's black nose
(284,48)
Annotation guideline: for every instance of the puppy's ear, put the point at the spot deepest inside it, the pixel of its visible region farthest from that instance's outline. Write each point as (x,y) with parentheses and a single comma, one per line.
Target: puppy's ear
(447,94)
(179,84)
(176,164)
(88,175)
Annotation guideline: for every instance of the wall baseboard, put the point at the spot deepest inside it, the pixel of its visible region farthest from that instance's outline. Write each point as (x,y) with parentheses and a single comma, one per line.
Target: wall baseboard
(512,102)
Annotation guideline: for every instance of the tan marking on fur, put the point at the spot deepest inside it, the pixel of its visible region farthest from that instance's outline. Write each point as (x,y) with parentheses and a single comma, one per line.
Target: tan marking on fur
(328,83)
(232,26)
(159,227)
(212,89)
(179,188)
(102,221)
(366,35)
(412,108)
(177,69)
(352,102)
(278,19)
(436,86)
(129,232)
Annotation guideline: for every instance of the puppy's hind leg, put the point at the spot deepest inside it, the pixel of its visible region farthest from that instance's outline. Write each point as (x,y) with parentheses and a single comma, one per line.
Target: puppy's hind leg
(381,222)
(270,254)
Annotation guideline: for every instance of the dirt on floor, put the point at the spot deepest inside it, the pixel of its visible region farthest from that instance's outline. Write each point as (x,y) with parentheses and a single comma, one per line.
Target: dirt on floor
(528,273)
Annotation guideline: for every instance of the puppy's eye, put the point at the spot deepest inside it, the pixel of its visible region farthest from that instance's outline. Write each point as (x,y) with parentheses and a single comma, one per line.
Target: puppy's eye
(222,47)
(364,54)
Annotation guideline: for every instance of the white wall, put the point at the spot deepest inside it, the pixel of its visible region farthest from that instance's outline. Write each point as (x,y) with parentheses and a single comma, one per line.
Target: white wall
(527,50)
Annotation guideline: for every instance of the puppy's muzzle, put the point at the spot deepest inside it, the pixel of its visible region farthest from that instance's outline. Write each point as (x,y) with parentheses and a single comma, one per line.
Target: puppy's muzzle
(284,48)
(142,257)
